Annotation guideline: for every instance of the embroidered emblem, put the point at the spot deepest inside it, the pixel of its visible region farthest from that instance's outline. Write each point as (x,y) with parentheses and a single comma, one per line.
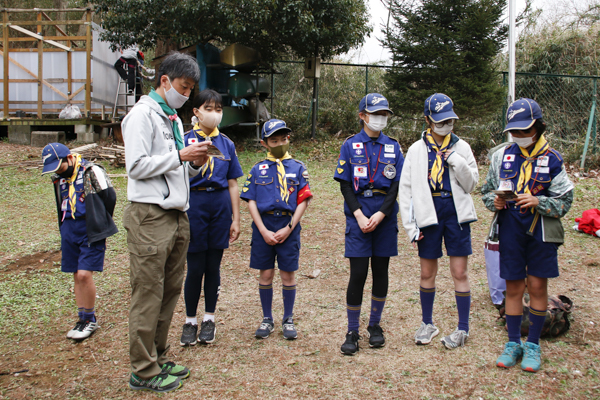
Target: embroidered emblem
(389,171)
(340,170)
(376,100)
(360,172)
(440,106)
(512,114)
(342,162)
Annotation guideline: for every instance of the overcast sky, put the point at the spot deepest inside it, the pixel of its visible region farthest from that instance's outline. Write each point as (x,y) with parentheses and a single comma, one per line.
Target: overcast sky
(372,51)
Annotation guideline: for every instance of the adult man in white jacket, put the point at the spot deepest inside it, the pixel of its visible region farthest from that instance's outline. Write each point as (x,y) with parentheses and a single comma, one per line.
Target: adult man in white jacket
(158,167)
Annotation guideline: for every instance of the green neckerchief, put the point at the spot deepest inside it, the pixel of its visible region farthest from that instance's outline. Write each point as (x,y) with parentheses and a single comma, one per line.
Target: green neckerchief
(169,111)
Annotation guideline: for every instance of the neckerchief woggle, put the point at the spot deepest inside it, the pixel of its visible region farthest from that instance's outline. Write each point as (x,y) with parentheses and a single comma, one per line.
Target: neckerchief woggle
(437,169)
(281,174)
(541,146)
(211,161)
(70,181)
(172,114)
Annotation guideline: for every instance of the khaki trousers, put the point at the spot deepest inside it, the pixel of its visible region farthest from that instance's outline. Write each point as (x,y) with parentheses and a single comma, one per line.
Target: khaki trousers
(158,240)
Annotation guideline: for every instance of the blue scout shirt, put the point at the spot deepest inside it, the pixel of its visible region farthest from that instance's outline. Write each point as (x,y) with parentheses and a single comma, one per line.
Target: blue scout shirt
(262,186)
(369,164)
(224,169)
(79,195)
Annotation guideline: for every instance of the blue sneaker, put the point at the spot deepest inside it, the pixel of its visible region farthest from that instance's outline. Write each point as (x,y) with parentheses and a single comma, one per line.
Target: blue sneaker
(512,352)
(532,357)
(265,328)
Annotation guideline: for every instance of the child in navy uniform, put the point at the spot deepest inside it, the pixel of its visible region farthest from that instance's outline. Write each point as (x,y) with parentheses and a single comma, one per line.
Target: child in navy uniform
(368,171)
(277,193)
(435,203)
(214,199)
(528,225)
(85,201)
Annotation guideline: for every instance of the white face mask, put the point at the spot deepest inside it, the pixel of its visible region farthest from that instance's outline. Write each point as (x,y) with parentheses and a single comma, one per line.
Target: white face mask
(174,99)
(444,130)
(524,142)
(209,119)
(377,122)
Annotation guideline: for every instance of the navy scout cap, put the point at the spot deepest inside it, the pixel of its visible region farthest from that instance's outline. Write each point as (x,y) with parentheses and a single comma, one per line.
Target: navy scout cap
(522,114)
(272,126)
(52,156)
(439,107)
(374,102)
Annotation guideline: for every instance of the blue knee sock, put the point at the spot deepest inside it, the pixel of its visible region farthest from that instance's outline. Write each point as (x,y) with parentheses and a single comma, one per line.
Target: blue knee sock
(536,323)
(427,298)
(289,297)
(89,314)
(353,316)
(266,299)
(513,323)
(80,313)
(377,304)
(463,305)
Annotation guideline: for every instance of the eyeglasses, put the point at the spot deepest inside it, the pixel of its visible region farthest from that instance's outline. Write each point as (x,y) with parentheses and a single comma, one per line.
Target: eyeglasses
(449,122)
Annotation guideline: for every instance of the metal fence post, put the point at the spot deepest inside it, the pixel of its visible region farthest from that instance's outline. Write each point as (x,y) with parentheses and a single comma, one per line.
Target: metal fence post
(366,80)
(591,122)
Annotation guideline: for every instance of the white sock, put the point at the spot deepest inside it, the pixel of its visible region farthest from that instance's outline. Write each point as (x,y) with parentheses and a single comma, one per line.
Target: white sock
(209,317)
(191,320)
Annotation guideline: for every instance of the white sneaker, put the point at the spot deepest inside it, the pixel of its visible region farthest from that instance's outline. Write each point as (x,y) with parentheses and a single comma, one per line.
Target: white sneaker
(426,333)
(78,326)
(86,330)
(455,339)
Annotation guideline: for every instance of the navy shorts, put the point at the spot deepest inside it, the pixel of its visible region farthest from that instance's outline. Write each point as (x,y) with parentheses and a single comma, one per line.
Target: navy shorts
(522,254)
(457,237)
(262,255)
(382,242)
(77,253)
(210,220)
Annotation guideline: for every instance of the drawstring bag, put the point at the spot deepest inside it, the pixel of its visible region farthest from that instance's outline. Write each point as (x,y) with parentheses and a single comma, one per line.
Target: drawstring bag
(557,316)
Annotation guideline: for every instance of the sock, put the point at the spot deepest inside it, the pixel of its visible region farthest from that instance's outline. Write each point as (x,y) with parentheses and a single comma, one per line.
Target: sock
(289,297)
(266,299)
(191,320)
(209,317)
(463,305)
(89,314)
(80,313)
(536,323)
(353,316)
(377,304)
(513,323)
(427,298)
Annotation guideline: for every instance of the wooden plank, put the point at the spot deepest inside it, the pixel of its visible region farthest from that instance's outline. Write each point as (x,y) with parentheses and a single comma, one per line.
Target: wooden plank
(69,22)
(58,38)
(39,37)
(49,80)
(47,50)
(40,65)
(88,61)
(28,10)
(82,87)
(46,101)
(5,60)
(49,110)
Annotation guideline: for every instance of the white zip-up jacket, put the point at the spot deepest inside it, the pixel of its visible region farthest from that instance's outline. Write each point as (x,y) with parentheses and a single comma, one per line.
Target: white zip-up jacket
(416,203)
(156,175)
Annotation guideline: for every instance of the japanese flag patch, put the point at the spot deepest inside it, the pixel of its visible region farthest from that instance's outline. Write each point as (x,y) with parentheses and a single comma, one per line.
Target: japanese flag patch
(192,140)
(263,166)
(357,145)
(360,172)
(509,158)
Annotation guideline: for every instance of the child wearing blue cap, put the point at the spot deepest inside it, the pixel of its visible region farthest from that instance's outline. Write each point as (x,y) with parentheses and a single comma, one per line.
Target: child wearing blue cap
(85,201)
(278,193)
(368,171)
(435,204)
(214,216)
(529,190)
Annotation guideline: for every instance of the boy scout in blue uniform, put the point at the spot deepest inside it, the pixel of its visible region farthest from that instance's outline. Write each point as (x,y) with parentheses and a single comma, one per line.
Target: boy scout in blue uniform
(85,201)
(529,190)
(368,170)
(278,193)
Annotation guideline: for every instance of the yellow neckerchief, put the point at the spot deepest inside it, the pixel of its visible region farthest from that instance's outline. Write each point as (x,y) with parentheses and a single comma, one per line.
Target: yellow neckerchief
(71,181)
(281,174)
(437,169)
(525,172)
(211,162)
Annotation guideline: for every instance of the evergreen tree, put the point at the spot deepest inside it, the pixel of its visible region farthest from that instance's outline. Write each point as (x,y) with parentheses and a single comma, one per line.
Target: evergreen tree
(446,46)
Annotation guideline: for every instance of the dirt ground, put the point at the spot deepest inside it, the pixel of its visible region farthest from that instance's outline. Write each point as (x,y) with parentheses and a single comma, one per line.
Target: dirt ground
(38,308)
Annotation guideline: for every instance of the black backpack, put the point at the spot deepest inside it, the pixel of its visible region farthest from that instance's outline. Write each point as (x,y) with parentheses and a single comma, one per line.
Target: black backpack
(557,315)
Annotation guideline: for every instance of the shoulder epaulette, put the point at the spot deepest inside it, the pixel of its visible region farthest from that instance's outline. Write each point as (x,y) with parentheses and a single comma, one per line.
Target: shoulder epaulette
(226,137)
(298,161)
(350,137)
(556,153)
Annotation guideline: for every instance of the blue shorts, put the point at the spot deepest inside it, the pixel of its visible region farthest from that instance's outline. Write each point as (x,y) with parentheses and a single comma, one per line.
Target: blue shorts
(262,255)
(522,254)
(210,220)
(382,242)
(457,237)
(77,253)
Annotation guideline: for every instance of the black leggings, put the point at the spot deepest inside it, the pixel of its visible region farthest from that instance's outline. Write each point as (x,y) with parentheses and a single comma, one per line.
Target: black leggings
(359,268)
(205,264)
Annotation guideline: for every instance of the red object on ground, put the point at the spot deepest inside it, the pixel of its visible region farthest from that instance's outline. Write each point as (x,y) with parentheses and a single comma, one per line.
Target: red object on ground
(589,221)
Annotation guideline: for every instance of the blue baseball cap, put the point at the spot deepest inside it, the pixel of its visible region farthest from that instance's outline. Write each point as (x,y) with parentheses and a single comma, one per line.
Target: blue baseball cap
(522,114)
(52,156)
(374,102)
(438,107)
(272,126)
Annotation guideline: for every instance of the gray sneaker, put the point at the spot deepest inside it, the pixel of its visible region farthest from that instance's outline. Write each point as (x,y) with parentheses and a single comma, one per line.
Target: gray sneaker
(426,333)
(455,339)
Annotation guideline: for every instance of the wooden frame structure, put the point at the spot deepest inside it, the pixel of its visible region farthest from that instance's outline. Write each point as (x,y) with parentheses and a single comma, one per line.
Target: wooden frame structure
(59,42)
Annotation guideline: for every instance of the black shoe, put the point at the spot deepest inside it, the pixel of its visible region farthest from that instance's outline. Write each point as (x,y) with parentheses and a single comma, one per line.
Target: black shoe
(207,332)
(188,337)
(350,346)
(376,338)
